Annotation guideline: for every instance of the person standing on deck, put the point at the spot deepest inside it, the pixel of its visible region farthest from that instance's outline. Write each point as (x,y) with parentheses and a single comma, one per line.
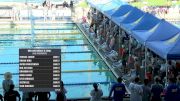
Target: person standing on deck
(146,91)
(119,90)
(136,90)
(61,95)
(11,95)
(1,97)
(178,81)
(42,96)
(172,91)
(156,90)
(7,82)
(96,93)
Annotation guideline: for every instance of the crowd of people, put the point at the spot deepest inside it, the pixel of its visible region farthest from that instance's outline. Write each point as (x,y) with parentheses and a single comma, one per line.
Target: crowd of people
(139,91)
(127,57)
(9,94)
(164,12)
(49,9)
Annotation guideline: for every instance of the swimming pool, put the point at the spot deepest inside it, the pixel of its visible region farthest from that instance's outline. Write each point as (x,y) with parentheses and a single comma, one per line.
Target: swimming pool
(81,65)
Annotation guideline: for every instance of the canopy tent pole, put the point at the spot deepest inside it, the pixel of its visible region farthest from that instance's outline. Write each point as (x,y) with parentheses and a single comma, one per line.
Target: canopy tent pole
(104,25)
(145,64)
(32,25)
(96,17)
(110,24)
(130,39)
(120,30)
(166,72)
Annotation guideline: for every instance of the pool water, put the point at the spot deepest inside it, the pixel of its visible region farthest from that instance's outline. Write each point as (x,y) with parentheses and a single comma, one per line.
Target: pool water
(81,65)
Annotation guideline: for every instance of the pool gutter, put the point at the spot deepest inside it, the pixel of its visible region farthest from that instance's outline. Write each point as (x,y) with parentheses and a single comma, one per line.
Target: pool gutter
(99,53)
(109,66)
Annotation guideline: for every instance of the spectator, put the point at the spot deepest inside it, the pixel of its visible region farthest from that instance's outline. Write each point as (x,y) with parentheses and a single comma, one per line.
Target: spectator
(178,81)
(130,61)
(11,95)
(65,4)
(156,90)
(7,82)
(146,91)
(60,96)
(96,93)
(136,90)
(119,90)
(44,3)
(62,93)
(137,66)
(1,97)
(71,3)
(28,96)
(172,91)
(42,96)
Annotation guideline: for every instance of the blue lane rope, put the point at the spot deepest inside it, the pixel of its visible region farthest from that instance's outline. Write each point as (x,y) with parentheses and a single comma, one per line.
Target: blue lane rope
(61,61)
(89,83)
(38,34)
(78,52)
(13,34)
(42,39)
(55,29)
(61,45)
(15,40)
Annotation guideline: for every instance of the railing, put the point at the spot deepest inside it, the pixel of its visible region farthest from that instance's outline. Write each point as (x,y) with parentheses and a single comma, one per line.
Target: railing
(38,13)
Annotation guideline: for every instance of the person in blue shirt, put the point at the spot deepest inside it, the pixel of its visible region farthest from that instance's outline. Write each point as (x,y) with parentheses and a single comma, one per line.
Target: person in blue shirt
(119,90)
(178,81)
(172,91)
(156,90)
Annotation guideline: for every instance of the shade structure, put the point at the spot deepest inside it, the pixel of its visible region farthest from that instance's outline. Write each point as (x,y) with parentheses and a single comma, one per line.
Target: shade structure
(94,3)
(168,49)
(146,22)
(121,13)
(111,7)
(162,31)
(133,16)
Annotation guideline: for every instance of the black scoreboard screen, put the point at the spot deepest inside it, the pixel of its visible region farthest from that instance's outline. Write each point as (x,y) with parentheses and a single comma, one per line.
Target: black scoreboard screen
(39,70)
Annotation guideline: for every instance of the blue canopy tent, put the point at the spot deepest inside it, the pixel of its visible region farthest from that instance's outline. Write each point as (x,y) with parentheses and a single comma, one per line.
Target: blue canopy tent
(109,13)
(111,7)
(94,3)
(146,22)
(168,49)
(164,30)
(133,16)
(100,5)
(121,13)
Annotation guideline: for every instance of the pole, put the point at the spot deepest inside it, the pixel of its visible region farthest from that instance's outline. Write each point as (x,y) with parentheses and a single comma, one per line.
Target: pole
(119,37)
(166,72)
(145,64)
(32,28)
(130,38)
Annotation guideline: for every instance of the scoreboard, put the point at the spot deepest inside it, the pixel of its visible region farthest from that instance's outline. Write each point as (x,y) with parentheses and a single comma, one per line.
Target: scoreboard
(39,70)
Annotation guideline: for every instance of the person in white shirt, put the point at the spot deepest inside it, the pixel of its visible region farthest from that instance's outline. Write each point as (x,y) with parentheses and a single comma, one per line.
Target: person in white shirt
(96,93)
(136,90)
